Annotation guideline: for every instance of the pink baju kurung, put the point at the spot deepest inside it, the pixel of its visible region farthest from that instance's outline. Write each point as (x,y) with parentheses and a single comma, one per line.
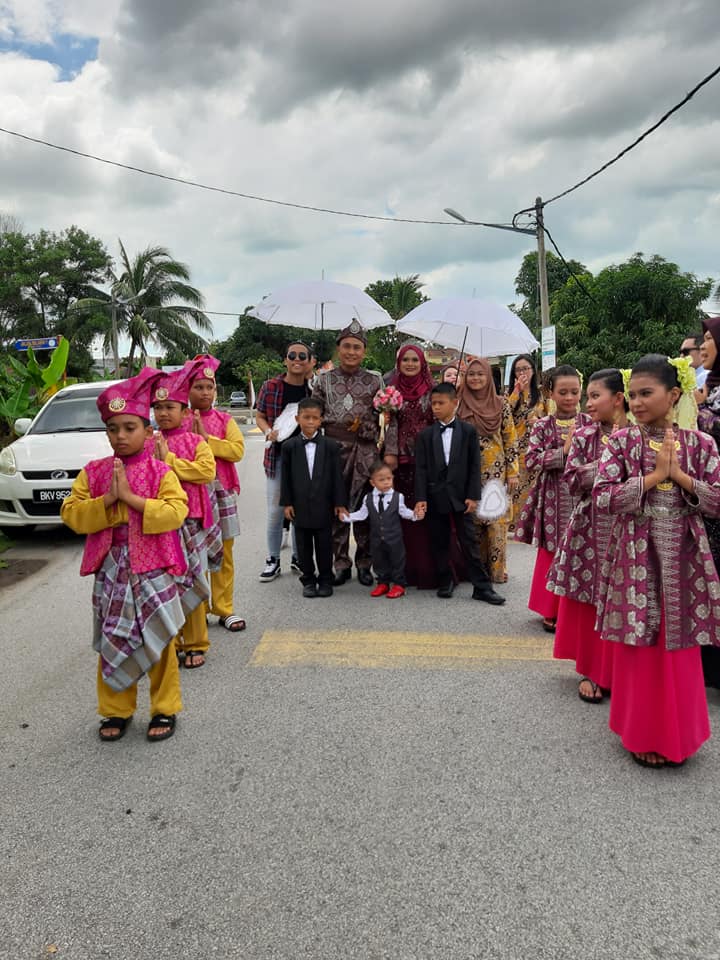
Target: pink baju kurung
(575,569)
(659,590)
(546,513)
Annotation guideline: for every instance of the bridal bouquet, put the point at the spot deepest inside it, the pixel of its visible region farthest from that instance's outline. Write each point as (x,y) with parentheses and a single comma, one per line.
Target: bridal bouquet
(386,401)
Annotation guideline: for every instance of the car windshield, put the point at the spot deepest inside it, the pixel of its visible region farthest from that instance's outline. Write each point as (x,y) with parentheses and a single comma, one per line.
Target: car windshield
(71,413)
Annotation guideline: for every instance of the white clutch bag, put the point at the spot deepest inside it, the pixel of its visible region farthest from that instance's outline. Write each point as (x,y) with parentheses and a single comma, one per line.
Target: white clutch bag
(285,425)
(493,502)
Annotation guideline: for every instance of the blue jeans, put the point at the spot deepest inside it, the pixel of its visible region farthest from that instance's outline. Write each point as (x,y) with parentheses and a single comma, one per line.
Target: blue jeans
(275,516)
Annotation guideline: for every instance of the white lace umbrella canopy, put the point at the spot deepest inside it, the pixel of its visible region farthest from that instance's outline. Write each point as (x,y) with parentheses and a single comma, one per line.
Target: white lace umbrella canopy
(321,305)
(473,326)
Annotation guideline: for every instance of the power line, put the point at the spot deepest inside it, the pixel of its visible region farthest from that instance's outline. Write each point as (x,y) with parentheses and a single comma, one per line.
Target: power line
(631,146)
(231,193)
(569,269)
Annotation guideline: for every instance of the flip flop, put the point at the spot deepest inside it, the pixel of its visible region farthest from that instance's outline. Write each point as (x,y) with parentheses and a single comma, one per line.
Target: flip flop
(598,694)
(232,623)
(190,656)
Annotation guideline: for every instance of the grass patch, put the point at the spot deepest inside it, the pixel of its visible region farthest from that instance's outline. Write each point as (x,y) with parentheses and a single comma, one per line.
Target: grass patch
(4,544)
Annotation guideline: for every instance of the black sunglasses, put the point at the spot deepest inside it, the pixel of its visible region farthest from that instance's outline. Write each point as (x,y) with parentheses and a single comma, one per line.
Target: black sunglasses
(297,356)
(686,351)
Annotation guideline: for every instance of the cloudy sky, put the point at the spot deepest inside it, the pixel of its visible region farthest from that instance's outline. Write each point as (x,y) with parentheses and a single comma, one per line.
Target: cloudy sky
(396,108)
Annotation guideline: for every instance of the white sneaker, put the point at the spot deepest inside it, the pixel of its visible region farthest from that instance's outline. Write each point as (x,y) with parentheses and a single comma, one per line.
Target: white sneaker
(272,570)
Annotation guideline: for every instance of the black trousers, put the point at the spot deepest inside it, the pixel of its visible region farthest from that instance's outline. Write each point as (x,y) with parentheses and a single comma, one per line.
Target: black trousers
(439,529)
(388,560)
(319,541)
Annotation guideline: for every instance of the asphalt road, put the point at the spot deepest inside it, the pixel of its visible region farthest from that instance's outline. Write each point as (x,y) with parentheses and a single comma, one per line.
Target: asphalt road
(351,778)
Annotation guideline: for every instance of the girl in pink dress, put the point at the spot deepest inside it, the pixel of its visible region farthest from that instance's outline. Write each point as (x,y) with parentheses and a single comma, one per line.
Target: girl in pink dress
(546,513)
(573,575)
(659,590)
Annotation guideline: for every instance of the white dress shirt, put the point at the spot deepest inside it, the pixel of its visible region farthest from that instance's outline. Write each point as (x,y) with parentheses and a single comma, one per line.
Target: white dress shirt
(310,451)
(362,514)
(446,437)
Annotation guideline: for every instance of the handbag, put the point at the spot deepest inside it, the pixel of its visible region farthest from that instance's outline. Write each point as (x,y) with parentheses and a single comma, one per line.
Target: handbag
(493,502)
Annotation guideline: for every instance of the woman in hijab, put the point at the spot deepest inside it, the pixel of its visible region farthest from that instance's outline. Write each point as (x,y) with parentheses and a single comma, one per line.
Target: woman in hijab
(527,405)
(709,422)
(413,379)
(492,418)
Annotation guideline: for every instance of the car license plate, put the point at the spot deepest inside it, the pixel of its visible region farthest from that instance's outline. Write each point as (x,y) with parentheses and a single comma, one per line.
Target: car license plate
(50,496)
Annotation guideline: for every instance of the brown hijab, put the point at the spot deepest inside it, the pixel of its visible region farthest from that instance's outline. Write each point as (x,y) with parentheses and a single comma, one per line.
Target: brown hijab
(483,408)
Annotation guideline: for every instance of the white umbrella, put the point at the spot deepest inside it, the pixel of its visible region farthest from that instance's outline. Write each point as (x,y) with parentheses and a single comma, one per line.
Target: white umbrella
(471,326)
(321,305)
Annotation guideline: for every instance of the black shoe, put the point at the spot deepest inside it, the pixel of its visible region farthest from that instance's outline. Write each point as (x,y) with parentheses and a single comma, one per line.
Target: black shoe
(489,596)
(310,590)
(342,576)
(447,591)
(365,577)
(325,590)
(295,565)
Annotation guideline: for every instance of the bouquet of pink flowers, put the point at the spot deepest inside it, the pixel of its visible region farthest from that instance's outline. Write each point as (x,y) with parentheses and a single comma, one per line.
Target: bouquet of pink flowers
(388,400)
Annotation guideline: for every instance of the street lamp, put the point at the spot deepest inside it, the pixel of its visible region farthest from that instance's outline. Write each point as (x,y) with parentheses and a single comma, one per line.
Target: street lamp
(116,302)
(539,233)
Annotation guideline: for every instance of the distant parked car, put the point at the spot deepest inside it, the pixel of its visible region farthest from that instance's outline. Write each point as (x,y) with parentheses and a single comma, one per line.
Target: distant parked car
(237,399)
(37,471)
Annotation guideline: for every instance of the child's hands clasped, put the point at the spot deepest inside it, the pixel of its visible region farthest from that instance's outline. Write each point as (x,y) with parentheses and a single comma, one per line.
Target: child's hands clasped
(198,426)
(420,509)
(161,447)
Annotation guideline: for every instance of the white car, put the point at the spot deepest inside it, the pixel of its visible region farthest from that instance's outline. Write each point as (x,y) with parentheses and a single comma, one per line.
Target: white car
(37,471)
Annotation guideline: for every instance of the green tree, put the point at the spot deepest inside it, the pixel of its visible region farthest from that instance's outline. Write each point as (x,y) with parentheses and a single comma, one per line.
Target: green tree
(526,285)
(637,307)
(42,276)
(255,349)
(163,306)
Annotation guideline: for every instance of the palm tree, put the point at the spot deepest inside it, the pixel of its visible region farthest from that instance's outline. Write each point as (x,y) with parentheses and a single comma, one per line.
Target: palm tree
(150,302)
(405,295)
(159,305)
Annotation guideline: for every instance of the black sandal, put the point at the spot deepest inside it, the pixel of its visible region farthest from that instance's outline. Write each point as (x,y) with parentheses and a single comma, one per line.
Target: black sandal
(161,721)
(190,655)
(598,694)
(114,723)
(549,624)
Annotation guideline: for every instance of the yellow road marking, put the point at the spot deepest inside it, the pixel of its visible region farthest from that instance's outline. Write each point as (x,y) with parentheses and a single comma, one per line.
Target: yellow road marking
(255,430)
(356,648)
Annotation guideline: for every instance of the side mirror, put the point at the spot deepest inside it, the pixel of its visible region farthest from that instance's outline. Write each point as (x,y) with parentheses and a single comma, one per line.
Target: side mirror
(22,426)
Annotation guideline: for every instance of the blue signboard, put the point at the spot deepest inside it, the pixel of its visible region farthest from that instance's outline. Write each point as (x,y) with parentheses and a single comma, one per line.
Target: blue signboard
(38,343)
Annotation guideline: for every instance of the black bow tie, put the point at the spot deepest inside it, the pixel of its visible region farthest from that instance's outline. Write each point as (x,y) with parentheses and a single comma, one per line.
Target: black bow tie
(447,426)
(309,440)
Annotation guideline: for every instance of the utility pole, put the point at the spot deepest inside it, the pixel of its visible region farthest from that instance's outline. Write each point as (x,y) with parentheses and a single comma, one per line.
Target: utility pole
(542,265)
(114,335)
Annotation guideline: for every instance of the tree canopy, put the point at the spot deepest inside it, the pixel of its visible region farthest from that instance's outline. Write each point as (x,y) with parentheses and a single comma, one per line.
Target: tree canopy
(41,276)
(644,305)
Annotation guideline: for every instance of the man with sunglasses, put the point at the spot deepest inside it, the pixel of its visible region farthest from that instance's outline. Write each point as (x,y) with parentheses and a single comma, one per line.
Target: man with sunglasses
(275,394)
(691,348)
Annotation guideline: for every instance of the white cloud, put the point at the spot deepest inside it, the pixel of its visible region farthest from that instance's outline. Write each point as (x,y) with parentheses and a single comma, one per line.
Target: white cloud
(387,107)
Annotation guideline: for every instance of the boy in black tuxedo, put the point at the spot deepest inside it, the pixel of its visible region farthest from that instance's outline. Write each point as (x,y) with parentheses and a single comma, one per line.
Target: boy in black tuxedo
(312,492)
(447,484)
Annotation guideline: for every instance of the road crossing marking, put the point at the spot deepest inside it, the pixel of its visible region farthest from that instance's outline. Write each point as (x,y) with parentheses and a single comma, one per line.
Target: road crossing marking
(379,649)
